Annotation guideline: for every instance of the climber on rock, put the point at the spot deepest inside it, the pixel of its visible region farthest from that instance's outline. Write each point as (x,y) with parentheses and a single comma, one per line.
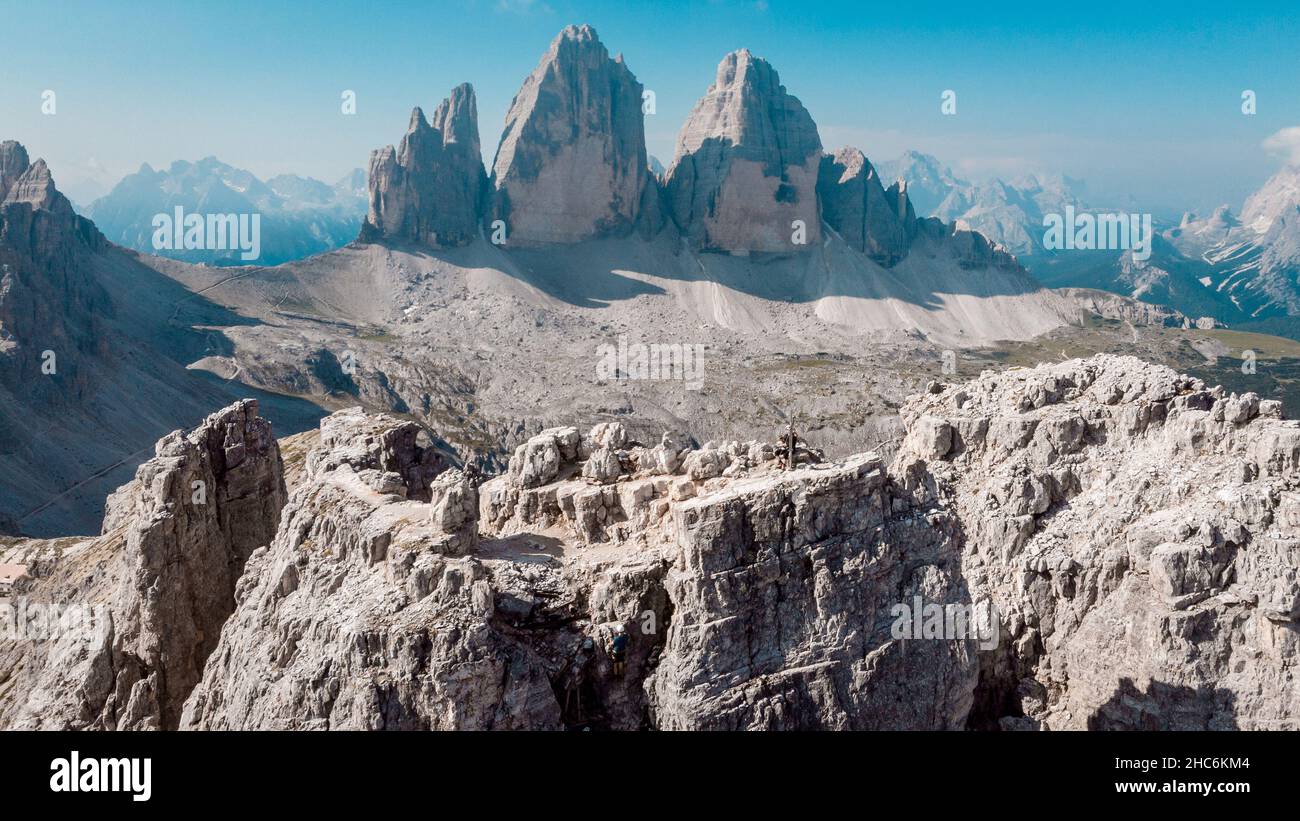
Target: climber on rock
(618,651)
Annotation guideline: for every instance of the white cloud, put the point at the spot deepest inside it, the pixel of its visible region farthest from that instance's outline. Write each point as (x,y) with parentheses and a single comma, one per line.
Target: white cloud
(1285,143)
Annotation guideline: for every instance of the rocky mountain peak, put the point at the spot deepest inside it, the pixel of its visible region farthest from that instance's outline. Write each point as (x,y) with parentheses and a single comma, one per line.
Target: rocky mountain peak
(571,164)
(745,174)
(1278,197)
(45,294)
(856,205)
(430,188)
(575,33)
(456,117)
(417,121)
(13,162)
(23,181)
(748,106)
(35,186)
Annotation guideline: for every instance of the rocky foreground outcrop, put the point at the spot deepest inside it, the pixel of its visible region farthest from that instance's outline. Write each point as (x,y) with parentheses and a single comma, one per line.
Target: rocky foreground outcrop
(752,597)
(1139,534)
(151,594)
(1096,544)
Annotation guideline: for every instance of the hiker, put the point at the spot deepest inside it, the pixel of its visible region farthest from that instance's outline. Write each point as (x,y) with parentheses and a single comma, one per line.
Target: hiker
(576,680)
(618,651)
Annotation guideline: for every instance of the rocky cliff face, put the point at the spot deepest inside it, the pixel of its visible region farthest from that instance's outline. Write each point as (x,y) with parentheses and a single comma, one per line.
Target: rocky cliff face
(1096,544)
(48,302)
(751,597)
(571,164)
(431,188)
(855,204)
(747,164)
(160,582)
(1138,535)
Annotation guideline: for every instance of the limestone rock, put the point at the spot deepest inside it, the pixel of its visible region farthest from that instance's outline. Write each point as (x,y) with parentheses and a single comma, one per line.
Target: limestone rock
(162,580)
(782,595)
(46,293)
(377,442)
(431,188)
(603,465)
(571,164)
(973,249)
(540,459)
(13,163)
(1132,533)
(747,164)
(855,204)
(357,618)
(1137,534)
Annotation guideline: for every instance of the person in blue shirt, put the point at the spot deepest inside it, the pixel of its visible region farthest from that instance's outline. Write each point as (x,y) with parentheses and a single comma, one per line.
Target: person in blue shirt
(618,651)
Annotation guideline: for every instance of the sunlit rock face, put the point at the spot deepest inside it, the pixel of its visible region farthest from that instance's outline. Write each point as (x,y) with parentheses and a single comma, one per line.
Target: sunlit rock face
(747,164)
(572,161)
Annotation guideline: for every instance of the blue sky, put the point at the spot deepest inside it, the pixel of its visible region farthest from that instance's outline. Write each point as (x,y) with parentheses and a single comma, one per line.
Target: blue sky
(1139,100)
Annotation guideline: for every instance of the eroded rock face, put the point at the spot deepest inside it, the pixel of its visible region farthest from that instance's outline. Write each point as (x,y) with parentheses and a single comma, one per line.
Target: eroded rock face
(855,204)
(572,161)
(747,164)
(431,189)
(972,249)
(750,597)
(1134,532)
(48,301)
(13,162)
(782,596)
(365,614)
(160,581)
(1139,535)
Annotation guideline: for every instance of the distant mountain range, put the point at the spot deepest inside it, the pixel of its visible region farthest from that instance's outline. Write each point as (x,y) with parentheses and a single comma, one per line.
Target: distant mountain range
(1009,213)
(1244,272)
(299,216)
(476,298)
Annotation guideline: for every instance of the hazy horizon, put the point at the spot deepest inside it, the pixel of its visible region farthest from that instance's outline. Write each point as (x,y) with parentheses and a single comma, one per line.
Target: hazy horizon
(1145,110)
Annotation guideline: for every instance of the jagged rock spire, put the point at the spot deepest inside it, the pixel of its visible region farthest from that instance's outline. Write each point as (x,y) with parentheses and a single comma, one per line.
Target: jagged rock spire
(855,204)
(430,189)
(13,162)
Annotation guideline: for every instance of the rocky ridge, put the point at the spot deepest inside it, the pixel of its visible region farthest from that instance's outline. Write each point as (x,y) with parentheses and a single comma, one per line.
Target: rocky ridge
(1135,530)
(1128,530)
(160,580)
